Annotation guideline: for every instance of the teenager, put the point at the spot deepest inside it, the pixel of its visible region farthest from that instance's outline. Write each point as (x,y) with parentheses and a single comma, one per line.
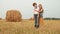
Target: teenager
(41,13)
(36,13)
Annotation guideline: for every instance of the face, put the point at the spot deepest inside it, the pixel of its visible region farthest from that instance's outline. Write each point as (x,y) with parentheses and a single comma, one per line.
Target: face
(35,6)
(40,6)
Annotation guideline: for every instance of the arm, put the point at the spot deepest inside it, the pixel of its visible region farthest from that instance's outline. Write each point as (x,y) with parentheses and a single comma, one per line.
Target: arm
(36,10)
(41,10)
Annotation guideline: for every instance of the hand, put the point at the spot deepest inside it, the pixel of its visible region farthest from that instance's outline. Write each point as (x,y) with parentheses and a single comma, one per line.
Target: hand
(36,10)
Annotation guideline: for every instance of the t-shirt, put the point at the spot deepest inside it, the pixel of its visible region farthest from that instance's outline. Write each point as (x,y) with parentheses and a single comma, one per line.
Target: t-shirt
(36,10)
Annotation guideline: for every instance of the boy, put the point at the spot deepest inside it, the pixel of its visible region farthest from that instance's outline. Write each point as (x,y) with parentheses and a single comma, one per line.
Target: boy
(36,13)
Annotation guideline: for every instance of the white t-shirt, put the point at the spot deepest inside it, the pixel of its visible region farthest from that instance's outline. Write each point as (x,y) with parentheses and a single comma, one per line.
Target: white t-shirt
(36,10)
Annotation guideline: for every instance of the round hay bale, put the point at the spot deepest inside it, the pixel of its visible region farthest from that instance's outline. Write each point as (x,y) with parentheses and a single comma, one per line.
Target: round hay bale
(0,18)
(13,16)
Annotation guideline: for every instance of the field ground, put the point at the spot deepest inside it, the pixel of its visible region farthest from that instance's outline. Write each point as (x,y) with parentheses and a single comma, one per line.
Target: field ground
(27,27)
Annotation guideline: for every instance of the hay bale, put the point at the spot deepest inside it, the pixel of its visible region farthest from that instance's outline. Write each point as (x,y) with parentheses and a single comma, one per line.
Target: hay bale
(13,16)
(0,18)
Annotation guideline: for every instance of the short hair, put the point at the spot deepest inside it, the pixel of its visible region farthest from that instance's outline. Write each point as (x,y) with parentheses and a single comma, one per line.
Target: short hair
(34,4)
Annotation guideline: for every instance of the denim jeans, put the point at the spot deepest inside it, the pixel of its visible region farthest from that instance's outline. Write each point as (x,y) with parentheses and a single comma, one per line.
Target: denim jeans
(36,20)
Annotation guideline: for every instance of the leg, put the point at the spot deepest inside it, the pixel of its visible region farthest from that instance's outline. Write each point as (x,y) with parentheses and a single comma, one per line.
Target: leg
(36,20)
(41,18)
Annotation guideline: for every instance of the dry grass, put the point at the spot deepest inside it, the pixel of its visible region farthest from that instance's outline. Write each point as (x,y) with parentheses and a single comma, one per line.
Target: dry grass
(27,27)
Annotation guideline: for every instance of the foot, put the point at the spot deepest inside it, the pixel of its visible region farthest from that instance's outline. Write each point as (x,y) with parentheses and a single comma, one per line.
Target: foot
(37,26)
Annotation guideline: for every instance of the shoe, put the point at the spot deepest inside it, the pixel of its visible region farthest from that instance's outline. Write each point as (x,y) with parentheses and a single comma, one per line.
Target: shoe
(37,26)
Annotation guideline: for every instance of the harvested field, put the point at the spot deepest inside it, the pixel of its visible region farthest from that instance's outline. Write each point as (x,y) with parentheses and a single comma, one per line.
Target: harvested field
(27,27)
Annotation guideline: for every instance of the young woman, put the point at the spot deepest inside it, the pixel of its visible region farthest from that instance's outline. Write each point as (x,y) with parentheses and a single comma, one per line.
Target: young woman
(41,13)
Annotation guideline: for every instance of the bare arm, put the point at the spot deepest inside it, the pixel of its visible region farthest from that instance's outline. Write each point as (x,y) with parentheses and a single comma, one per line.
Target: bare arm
(42,10)
(37,11)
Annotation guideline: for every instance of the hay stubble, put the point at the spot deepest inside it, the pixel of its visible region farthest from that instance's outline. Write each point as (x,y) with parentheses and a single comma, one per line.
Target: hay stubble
(27,27)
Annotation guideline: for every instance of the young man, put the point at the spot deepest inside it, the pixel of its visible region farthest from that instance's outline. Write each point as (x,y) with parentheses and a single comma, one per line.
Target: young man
(36,13)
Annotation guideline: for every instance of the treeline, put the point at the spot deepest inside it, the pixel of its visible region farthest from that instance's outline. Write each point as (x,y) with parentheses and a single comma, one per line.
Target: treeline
(52,18)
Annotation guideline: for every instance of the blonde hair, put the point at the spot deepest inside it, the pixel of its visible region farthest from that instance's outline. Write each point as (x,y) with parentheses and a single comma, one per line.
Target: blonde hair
(40,6)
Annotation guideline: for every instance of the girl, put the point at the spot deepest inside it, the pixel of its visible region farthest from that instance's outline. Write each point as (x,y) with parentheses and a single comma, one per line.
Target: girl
(41,13)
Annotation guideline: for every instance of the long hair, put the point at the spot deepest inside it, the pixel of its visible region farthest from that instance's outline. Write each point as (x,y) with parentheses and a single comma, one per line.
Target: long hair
(40,7)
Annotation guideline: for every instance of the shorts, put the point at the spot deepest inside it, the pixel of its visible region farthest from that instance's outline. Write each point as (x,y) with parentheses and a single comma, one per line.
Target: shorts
(41,15)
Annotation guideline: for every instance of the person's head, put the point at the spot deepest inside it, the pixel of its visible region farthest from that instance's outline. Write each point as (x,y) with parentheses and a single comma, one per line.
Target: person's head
(40,5)
(34,4)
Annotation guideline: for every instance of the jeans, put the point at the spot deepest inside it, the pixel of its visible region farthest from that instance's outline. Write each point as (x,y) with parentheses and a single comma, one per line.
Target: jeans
(36,20)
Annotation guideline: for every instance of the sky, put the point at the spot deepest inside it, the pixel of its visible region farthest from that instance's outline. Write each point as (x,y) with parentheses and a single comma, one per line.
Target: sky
(51,7)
